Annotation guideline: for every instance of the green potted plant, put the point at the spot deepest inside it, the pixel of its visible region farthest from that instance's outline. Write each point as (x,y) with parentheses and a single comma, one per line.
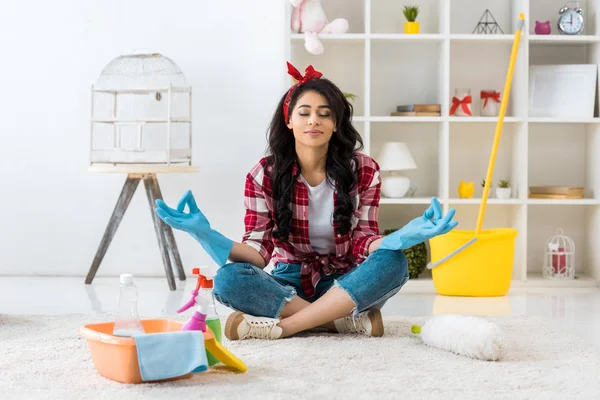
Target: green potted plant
(411,13)
(350,96)
(503,189)
(417,257)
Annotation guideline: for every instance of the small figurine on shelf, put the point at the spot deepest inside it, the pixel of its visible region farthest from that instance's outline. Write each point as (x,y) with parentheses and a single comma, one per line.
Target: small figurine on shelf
(487,25)
(466,189)
(542,28)
(503,189)
(411,13)
(308,17)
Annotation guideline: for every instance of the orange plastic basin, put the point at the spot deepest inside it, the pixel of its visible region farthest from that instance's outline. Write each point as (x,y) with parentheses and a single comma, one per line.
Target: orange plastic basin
(115,357)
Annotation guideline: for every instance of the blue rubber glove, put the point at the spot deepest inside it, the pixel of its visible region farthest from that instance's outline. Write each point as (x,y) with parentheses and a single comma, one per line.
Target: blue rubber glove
(195,223)
(421,229)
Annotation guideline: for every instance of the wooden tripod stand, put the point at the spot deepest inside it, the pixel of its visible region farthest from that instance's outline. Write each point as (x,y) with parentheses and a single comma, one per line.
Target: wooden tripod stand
(164,233)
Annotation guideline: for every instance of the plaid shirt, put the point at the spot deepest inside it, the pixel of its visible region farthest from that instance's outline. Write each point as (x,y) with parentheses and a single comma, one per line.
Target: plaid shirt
(350,249)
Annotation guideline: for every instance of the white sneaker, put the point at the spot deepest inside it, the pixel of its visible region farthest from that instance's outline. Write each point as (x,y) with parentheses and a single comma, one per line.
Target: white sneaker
(245,326)
(369,322)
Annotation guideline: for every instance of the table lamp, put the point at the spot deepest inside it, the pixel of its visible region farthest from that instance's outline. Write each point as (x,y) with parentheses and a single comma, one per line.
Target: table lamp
(393,158)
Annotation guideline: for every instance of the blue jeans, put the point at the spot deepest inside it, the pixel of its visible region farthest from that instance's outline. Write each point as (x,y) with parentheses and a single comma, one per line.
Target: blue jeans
(249,289)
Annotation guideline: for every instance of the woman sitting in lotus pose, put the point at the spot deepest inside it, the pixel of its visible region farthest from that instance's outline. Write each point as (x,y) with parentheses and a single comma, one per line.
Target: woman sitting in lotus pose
(312,209)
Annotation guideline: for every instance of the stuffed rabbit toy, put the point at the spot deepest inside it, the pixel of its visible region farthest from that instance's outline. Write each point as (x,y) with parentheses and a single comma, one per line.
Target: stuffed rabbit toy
(309,18)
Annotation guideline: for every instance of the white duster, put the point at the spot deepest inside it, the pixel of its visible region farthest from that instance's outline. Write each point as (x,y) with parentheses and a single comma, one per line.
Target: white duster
(464,335)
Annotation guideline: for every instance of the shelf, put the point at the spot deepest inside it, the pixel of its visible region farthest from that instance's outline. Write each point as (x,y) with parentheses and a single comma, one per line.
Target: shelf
(564,156)
(432,37)
(501,38)
(406,200)
(563,39)
(543,222)
(451,119)
(478,119)
(406,119)
(424,141)
(386,16)
(567,202)
(477,201)
(470,147)
(561,120)
(389,86)
(328,37)
(386,68)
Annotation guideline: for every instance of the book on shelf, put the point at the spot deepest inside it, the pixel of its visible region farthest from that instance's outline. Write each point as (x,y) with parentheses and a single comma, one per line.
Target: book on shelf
(419,108)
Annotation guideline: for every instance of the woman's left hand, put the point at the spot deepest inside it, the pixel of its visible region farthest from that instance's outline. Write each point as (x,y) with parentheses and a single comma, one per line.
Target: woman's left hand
(421,229)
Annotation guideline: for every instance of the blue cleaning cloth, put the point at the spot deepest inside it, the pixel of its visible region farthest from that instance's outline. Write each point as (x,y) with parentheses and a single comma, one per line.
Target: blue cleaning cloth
(169,354)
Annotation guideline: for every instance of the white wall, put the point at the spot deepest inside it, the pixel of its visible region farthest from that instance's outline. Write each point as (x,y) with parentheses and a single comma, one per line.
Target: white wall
(54,212)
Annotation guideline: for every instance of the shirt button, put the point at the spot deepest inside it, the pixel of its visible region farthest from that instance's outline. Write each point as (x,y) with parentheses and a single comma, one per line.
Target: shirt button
(339,255)
(316,257)
(339,235)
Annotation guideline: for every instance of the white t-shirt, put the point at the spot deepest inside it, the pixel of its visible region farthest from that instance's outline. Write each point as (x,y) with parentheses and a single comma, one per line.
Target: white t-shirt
(320,217)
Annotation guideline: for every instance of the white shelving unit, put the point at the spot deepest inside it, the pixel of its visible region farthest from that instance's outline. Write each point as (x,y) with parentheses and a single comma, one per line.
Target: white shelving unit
(384,67)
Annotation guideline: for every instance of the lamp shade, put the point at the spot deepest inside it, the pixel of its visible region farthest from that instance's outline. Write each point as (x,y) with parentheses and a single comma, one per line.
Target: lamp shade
(395,156)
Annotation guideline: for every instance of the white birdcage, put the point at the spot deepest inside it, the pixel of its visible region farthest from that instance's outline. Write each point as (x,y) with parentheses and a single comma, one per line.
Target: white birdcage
(559,261)
(141,112)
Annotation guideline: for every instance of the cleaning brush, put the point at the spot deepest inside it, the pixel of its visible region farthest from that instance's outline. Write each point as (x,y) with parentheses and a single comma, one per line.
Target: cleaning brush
(464,335)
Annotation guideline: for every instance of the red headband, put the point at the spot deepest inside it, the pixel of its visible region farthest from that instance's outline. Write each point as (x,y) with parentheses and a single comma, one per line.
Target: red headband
(309,74)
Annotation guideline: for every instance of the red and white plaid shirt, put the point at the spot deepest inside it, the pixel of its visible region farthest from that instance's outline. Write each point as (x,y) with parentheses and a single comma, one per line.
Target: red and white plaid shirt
(351,248)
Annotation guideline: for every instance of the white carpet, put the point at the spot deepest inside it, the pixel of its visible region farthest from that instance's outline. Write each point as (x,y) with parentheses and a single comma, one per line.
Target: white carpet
(44,357)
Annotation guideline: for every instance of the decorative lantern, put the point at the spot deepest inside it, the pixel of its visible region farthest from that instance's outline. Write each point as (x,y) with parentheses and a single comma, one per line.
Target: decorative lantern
(141,113)
(559,262)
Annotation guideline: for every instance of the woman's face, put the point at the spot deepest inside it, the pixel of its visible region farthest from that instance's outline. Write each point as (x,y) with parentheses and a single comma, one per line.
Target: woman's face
(312,120)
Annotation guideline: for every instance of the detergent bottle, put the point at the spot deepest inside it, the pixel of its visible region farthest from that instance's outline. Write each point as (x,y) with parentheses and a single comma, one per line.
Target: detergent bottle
(206,314)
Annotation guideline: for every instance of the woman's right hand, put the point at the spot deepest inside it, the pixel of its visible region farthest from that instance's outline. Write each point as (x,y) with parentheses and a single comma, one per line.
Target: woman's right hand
(196,224)
(421,229)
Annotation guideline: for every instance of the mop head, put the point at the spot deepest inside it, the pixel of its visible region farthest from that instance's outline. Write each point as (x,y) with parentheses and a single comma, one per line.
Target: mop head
(464,335)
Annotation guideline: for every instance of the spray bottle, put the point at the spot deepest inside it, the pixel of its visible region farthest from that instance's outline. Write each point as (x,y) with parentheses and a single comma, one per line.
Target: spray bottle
(206,313)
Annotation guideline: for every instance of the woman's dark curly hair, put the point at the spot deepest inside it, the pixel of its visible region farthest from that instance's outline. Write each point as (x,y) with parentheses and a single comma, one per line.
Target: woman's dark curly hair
(341,165)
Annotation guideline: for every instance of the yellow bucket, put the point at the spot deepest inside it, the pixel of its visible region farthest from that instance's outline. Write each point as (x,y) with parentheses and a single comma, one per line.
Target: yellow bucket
(483,269)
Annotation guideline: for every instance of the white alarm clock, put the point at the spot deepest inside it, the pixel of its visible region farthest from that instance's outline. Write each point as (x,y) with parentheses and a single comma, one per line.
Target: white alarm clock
(570,20)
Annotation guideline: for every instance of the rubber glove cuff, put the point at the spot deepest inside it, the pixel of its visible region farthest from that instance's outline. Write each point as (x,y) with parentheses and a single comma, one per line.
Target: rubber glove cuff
(398,240)
(216,245)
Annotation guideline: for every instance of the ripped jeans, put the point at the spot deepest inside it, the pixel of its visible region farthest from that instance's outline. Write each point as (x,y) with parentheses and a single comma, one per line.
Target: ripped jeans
(249,289)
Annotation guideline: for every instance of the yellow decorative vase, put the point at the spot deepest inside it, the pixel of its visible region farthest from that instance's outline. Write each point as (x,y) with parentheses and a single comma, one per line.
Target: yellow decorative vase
(411,27)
